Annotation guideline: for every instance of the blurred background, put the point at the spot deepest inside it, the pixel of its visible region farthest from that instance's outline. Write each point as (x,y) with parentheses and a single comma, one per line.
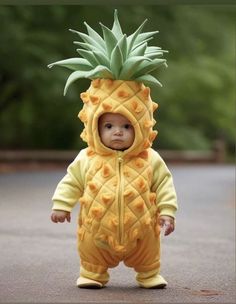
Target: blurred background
(196,102)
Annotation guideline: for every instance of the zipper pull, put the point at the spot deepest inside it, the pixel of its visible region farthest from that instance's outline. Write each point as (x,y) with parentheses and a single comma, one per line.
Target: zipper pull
(120,159)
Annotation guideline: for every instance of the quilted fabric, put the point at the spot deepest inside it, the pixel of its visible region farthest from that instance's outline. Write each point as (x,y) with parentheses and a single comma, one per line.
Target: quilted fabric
(117,206)
(128,98)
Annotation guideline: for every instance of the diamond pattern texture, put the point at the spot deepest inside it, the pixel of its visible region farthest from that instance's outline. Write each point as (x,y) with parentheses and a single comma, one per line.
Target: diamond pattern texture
(117,206)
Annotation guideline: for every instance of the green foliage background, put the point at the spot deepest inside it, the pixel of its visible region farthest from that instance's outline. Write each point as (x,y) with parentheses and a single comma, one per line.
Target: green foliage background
(197,101)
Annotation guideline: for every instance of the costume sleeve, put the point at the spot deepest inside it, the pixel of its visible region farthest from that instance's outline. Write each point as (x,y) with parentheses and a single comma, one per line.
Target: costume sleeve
(71,187)
(163,186)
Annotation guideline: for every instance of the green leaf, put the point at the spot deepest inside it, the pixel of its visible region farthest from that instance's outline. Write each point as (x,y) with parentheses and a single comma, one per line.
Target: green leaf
(73,77)
(93,34)
(89,56)
(116,61)
(153,49)
(154,52)
(130,66)
(88,39)
(144,36)
(73,64)
(140,43)
(101,58)
(116,29)
(148,80)
(86,46)
(109,38)
(154,55)
(131,39)
(147,67)
(123,46)
(98,72)
(140,50)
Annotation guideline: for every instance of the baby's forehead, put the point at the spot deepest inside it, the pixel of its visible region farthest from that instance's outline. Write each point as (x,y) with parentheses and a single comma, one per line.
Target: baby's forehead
(113,117)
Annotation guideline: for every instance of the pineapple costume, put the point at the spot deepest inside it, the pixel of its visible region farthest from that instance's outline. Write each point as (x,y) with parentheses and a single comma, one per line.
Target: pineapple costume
(120,193)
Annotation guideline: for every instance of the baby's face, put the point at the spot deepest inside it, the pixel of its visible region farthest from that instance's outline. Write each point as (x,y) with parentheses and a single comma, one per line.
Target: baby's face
(116,131)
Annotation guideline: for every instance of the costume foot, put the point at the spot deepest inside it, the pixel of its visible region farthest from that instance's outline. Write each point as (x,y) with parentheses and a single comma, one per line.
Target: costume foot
(156,282)
(88,283)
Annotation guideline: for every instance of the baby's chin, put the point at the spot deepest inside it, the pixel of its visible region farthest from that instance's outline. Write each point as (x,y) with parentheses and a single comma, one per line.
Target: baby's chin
(118,146)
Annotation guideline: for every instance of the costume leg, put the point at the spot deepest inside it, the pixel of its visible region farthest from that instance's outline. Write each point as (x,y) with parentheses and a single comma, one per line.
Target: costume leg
(94,261)
(145,260)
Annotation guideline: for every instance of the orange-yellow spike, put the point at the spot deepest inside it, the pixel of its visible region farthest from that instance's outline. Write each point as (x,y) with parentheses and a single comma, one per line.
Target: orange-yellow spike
(85,97)
(148,124)
(97,212)
(107,198)
(92,186)
(83,135)
(136,106)
(123,94)
(146,144)
(94,99)
(106,171)
(140,205)
(153,135)
(154,106)
(96,83)
(83,116)
(82,201)
(139,163)
(106,106)
(90,152)
(152,198)
(128,193)
(141,184)
(146,92)
(143,154)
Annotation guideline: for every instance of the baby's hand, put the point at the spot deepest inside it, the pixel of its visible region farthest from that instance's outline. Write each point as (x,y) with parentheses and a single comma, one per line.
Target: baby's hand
(167,223)
(60,216)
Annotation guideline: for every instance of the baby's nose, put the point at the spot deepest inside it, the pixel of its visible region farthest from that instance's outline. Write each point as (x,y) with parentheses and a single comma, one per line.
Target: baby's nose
(118,131)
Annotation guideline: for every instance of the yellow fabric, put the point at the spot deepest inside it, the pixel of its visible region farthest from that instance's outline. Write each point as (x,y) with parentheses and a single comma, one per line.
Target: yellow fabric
(101,214)
(100,277)
(120,193)
(95,261)
(154,281)
(144,257)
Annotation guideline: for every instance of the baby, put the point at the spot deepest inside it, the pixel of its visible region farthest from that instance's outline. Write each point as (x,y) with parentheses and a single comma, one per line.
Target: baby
(126,196)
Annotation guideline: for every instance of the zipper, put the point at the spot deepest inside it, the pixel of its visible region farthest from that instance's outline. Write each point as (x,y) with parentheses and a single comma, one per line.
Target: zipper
(120,199)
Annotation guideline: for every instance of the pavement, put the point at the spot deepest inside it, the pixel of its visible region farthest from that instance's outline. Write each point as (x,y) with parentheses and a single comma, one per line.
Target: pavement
(39,262)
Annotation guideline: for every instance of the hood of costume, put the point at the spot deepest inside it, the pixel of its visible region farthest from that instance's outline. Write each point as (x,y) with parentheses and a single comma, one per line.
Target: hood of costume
(130,99)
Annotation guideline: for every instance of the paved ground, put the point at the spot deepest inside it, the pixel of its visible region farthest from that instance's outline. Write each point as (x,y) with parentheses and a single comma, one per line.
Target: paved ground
(39,264)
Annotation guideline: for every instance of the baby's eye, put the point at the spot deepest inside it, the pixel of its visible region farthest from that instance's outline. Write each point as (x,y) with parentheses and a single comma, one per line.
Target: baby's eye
(108,126)
(127,126)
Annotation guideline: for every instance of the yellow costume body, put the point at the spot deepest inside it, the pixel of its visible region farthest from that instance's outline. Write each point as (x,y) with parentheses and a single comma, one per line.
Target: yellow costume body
(121,193)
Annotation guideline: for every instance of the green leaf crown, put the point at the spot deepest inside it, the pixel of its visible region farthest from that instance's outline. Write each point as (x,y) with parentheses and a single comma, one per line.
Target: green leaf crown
(115,56)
